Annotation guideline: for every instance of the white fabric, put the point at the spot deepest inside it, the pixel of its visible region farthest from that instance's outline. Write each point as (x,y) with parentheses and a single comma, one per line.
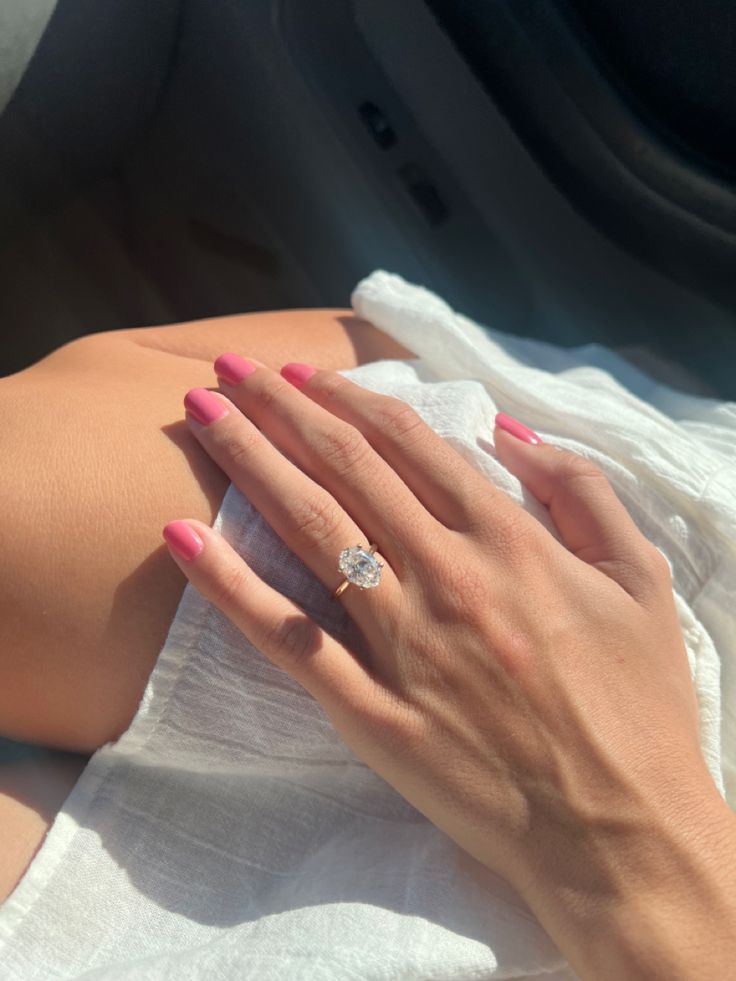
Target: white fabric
(229,833)
(22,23)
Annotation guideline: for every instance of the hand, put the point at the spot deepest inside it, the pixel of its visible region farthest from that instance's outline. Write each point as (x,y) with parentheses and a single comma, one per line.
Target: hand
(532,698)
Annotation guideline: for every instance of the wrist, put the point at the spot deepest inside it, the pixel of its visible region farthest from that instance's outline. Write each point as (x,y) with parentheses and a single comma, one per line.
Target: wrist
(662,904)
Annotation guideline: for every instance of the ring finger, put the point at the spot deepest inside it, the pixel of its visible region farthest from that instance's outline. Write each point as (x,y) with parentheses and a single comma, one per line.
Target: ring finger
(337,455)
(303,514)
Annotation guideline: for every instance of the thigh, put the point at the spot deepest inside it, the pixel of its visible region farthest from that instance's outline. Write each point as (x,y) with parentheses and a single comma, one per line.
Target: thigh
(33,788)
(96,460)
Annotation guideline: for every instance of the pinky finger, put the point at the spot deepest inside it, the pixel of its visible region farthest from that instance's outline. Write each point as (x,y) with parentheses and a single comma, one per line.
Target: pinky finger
(270,621)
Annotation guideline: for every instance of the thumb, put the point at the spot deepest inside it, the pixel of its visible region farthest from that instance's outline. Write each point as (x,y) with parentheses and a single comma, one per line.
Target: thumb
(591,520)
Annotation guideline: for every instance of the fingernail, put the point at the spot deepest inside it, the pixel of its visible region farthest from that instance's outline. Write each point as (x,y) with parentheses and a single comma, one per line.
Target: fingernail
(204,405)
(516,428)
(297,374)
(233,369)
(181,539)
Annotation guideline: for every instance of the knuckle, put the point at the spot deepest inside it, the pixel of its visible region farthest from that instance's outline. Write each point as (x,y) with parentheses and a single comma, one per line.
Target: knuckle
(465,590)
(515,531)
(400,722)
(332,389)
(291,640)
(655,563)
(315,521)
(572,469)
(342,448)
(271,394)
(238,447)
(482,506)
(395,420)
(229,586)
(469,592)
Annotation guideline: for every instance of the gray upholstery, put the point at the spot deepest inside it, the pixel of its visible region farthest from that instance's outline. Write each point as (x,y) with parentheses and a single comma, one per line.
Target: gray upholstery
(22,22)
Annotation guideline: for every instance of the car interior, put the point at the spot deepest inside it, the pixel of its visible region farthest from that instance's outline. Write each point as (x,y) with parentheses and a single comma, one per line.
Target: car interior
(555,169)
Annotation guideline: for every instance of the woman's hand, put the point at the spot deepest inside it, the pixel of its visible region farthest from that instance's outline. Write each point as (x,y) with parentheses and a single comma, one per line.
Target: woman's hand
(532,698)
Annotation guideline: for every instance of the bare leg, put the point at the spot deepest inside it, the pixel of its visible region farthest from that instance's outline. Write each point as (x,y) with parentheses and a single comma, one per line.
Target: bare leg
(32,790)
(96,459)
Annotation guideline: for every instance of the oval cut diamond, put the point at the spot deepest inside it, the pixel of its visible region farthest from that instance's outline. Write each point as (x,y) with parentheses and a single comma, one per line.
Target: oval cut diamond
(360,567)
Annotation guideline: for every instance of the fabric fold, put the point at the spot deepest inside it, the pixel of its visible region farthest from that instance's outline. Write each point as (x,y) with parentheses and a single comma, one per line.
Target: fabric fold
(229,832)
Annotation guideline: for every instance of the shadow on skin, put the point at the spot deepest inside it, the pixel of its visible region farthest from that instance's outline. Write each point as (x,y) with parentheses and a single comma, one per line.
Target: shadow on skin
(201,465)
(37,777)
(369,344)
(34,782)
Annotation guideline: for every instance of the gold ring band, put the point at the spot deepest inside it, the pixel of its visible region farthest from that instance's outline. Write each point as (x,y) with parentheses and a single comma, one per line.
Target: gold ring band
(341,588)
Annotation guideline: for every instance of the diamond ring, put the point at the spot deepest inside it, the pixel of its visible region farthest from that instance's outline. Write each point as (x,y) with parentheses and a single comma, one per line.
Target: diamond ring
(360,567)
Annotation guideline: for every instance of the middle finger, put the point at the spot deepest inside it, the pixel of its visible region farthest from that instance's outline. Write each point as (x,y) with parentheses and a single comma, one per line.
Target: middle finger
(340,458)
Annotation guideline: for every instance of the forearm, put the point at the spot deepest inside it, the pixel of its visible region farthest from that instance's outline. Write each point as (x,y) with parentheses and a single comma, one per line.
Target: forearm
(663,908)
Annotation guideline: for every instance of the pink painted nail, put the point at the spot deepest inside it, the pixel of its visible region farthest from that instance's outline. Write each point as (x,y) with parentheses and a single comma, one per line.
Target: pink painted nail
(297,374)
(181,539)
(516,428)
(233,369)
(204,405)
